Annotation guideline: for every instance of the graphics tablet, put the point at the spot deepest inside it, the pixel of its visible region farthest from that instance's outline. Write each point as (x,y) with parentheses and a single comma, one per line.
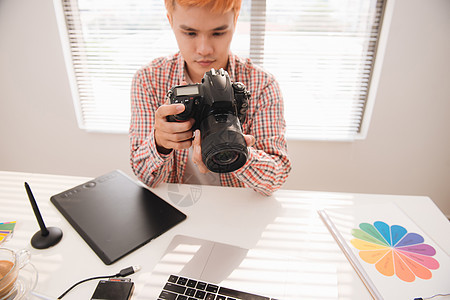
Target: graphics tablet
(115,215)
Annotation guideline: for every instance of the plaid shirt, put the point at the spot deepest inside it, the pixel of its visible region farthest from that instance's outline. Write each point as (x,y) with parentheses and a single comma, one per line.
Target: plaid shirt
(268,164)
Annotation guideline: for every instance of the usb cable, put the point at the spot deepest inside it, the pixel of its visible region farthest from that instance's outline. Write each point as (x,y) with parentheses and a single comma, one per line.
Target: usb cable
(123,273)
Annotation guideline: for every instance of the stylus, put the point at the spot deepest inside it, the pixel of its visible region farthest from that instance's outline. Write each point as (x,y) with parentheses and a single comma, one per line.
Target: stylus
(46,237)
(44,230)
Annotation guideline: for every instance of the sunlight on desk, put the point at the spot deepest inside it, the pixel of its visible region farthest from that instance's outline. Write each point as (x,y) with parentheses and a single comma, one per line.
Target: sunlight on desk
(268,237)
(255,271)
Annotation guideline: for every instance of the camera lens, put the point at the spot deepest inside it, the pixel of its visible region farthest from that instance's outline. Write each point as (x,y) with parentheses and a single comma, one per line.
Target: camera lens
(225,157)
(223,145)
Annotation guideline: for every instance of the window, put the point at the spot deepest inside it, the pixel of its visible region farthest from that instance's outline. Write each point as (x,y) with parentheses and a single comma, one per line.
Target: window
(321,51)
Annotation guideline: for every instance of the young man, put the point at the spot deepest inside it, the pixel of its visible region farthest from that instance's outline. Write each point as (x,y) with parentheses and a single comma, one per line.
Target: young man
(163,151)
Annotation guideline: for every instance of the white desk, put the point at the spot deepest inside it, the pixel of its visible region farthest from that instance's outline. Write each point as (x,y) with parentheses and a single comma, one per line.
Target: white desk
(285,223)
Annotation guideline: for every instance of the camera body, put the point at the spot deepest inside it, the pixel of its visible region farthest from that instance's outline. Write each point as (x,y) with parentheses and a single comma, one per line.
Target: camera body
(219,107)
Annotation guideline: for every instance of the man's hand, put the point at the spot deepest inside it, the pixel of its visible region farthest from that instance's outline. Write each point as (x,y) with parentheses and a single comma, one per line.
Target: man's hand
(172,135)
(197,148)
(197,154)
(249,139)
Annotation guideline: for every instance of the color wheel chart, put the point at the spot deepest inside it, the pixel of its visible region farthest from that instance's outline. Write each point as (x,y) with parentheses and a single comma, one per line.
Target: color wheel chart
(394,250)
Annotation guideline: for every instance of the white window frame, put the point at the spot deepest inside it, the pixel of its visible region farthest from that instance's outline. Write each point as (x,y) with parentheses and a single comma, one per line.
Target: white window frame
(376,70)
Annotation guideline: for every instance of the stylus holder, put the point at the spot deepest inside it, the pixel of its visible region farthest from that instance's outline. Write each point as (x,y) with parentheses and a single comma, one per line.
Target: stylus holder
(46,237)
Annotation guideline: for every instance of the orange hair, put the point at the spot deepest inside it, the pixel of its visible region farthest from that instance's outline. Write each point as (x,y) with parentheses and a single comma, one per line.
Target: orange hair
(217,6)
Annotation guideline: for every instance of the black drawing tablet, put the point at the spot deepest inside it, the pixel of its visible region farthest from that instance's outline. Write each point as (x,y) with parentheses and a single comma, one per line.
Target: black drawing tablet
(115,215)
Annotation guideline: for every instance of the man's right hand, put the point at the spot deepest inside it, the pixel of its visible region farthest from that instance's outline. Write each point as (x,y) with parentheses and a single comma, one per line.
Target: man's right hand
(172,135)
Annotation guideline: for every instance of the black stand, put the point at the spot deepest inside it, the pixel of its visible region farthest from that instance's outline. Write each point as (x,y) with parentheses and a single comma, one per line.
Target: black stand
(46,237)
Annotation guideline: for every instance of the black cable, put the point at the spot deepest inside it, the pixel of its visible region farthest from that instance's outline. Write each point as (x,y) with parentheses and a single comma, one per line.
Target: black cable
(82,281)
(123,273)
(431,297)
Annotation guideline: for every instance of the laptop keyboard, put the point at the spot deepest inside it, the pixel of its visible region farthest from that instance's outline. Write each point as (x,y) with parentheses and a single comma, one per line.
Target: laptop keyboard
(182,288)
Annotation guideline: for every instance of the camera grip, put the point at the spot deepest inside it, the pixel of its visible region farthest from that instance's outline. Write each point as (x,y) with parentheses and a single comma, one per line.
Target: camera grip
(186,114)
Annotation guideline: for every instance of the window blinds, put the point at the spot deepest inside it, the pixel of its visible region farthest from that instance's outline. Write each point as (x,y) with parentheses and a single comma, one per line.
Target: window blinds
(321,51)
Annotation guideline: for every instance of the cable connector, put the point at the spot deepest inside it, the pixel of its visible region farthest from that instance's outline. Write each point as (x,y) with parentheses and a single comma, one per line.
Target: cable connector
(128,271)
(123,273)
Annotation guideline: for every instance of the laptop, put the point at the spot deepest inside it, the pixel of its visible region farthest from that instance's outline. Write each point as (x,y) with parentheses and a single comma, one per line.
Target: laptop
(222,271)
(115,215)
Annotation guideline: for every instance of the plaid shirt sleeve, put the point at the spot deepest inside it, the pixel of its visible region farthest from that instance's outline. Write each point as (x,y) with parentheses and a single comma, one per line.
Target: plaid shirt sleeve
(148,164)
(268,165)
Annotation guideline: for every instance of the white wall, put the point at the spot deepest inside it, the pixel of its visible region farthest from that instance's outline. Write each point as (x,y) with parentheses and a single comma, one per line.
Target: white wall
(407,150)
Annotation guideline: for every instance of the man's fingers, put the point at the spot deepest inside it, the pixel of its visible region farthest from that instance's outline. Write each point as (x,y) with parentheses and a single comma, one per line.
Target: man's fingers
(169,109)
(178,145)
(197,155)
(179,137)
(172,135)
(196,147)
(249,140)
(196,141)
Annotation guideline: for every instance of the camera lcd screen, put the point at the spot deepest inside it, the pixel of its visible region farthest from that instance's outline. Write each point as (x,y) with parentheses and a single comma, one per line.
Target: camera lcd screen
(187,90)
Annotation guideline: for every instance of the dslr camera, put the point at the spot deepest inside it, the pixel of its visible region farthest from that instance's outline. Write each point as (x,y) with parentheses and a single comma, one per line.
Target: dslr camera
(219,107)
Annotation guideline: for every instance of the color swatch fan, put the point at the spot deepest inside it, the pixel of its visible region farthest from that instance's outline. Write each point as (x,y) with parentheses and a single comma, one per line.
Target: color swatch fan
(395,251)
(6,231)
(394,258)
